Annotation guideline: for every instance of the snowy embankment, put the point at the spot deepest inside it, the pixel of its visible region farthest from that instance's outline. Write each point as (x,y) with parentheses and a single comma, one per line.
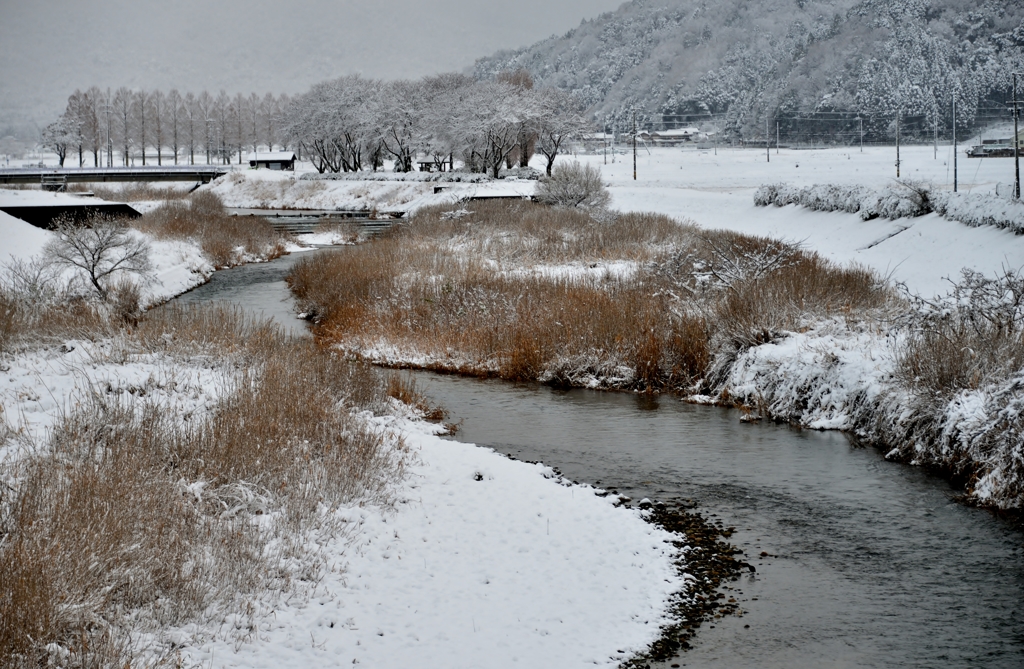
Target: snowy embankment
(481,560)
(832,377)
(176,266)
(381,192)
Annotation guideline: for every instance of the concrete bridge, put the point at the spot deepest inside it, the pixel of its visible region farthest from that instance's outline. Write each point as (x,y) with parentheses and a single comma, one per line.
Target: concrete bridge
(57,178)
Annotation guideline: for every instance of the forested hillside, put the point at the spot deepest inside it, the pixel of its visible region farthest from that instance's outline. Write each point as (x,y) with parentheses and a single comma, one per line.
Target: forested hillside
(737,62)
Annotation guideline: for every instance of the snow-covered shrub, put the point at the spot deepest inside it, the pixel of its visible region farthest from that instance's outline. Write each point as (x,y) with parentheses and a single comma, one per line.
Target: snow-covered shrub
(969,337)
(430,177)
(574,185)
(527,173)
(982,209)
(902,199)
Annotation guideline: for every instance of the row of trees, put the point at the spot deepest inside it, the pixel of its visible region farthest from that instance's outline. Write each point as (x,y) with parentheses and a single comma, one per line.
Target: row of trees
(344,125)
(157,126)
(352,123)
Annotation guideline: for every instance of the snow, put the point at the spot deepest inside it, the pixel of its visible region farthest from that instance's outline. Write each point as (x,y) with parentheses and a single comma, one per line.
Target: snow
(20,239)
(268,189)
(41,198)
(717,192)
(177,266)
(485,562)
(481,561)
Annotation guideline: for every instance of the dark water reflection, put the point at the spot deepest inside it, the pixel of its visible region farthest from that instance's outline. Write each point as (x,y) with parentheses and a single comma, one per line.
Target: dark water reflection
(258,288)
(870,564)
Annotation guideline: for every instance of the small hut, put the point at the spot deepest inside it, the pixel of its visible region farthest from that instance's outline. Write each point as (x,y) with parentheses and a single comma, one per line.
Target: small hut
(272,160)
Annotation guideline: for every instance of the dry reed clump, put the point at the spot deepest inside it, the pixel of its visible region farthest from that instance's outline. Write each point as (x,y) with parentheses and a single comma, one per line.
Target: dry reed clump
(521,233)
(403,389)
(449,288)
(226,240)
(130,518)
(972,337)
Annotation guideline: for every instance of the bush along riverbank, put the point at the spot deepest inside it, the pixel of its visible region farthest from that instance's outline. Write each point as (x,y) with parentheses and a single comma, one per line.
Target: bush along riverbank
(641,302)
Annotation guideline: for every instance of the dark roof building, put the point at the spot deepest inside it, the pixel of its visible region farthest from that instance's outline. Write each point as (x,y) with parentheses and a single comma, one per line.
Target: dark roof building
(272,160)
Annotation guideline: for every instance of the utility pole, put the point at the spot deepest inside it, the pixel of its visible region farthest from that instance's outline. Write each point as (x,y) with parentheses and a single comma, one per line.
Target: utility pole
(954,144)
(861,122)
(935,125)
(776,136)
(634,145)
(767,142)
(898,114)
(1016,143)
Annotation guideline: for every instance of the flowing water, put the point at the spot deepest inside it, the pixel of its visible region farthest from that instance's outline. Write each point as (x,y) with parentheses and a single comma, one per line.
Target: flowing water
(258,288)
(860,562)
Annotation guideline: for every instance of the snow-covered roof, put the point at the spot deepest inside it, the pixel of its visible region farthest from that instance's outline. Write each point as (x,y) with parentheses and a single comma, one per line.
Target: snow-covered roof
(676,132)
(272,156)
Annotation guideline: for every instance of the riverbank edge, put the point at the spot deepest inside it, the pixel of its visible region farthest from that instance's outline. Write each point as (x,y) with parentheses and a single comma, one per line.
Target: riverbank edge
(830,377)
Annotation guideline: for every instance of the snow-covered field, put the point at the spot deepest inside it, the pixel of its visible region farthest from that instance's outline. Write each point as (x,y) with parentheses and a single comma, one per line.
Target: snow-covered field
(717,192)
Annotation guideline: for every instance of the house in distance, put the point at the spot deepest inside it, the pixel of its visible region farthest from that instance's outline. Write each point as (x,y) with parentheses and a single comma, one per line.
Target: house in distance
(272,160)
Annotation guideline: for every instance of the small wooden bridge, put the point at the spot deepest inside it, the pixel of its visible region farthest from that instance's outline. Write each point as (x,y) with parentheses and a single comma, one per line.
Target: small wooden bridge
(58,178)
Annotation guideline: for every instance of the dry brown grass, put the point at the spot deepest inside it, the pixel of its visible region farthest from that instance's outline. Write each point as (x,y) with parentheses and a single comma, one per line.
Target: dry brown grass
(131,518)
(134,191)
(447,289)
(225,239)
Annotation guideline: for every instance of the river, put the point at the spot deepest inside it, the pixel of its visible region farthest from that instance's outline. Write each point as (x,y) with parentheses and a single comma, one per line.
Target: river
(860,562)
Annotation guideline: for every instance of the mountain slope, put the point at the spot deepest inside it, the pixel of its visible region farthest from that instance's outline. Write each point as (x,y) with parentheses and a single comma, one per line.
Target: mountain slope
(743,60)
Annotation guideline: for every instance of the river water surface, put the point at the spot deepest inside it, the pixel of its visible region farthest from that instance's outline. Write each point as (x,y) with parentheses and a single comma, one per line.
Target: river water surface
(867,563)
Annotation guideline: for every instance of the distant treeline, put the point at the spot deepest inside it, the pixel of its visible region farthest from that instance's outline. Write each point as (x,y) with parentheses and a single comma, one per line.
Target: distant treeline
(163,127)
(343,125)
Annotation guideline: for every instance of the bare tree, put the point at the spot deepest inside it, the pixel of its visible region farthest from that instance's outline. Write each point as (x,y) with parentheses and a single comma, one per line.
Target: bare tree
(396,111)
(190,111)
(100,249)
(204,107)
(238,124)
(123,121)
(269,113)
(174,112)
(157,105)
(527,135)
(92,127)
(141,115)
(562,118)
(222,125)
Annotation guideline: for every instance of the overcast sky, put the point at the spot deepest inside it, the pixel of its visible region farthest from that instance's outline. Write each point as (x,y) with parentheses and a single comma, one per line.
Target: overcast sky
(50,47)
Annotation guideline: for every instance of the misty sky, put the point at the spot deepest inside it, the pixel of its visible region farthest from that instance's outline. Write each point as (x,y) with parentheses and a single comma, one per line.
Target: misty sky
(50,47)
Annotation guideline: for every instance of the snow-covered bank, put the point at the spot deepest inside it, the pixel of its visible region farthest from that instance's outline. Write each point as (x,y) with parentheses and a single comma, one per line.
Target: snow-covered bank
(176,266)
(266,189)
(483,562)
(832,377)
(477,561)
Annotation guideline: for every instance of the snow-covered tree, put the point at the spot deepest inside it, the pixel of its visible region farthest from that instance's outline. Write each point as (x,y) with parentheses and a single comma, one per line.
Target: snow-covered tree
(60,136)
